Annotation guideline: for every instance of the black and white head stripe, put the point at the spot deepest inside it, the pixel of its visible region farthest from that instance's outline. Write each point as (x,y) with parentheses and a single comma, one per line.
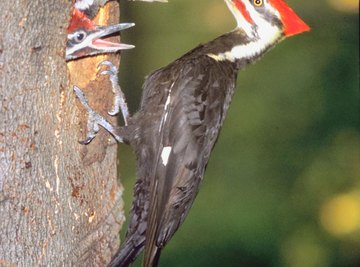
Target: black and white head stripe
(259,27)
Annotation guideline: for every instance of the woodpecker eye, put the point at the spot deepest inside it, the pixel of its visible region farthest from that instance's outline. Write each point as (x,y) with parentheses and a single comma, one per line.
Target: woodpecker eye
(80,36)
(258,2)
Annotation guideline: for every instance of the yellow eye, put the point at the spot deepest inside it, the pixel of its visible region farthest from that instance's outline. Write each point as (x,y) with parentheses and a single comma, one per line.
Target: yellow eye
(258,2)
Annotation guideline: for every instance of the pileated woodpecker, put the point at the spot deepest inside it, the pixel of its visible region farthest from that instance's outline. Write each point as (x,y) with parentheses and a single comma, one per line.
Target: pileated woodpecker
(84,37)
(182,110)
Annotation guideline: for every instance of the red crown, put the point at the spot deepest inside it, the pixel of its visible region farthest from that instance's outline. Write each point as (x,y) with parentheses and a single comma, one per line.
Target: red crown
(79,20)
(293,24)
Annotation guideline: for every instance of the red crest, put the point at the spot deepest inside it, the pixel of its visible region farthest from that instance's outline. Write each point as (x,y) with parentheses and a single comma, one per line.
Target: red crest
(79,20)
(293,24)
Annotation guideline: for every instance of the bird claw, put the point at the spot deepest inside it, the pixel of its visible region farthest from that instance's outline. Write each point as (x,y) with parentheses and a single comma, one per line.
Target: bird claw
(95,120)
(112,71)
(119,99)
(86,141)
(108,63)
(106,72)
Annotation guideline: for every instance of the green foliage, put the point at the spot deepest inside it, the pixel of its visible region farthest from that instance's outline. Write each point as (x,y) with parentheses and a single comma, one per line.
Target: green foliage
(289,147)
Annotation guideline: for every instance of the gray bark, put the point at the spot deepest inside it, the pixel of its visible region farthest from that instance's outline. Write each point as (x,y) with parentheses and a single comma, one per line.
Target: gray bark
(60,204)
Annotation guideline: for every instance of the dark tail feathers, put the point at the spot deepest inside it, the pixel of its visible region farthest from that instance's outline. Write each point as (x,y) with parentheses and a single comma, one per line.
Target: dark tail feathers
(126,254)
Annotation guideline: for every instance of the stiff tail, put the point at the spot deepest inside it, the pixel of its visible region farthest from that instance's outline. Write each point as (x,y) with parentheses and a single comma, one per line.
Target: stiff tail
(127,253)
(152,259)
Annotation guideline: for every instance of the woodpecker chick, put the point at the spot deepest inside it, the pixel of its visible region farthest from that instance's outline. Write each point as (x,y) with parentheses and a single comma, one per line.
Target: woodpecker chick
(182,110)
(84,38)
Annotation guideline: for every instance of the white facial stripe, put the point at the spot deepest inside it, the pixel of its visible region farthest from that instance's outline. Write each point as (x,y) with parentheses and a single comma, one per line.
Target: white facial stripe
(240,20)
(262,24)
(268,34)
(165,155)
(86,43)
(252,11)
(267,37)
(260,38)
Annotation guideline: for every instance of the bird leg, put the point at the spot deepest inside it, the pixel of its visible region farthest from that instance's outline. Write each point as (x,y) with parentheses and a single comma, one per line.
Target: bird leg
(95,120)
(119,99)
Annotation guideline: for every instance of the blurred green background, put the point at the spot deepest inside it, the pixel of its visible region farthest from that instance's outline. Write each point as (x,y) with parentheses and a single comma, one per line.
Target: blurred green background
(283,184)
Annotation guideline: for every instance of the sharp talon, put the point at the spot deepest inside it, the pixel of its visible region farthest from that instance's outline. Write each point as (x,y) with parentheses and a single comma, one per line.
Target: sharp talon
(107,72)
(112,71)
(95,120)
(106,63)
(86,141)
(115,112)
(79,93)
(119,99)
(110,65)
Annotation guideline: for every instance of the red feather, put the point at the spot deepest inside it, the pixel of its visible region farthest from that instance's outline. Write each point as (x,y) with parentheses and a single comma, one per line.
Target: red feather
(79,20)
(241,7)
(293,24)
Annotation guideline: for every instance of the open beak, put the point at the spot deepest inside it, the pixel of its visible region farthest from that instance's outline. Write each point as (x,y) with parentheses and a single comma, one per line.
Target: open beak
(92,44)
(104,31)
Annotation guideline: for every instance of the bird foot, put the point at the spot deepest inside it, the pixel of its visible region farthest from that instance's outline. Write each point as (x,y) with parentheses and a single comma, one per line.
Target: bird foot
(119,99)
(95,120)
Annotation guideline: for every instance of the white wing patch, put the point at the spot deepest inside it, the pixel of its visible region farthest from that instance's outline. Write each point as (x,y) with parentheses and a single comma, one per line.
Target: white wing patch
(165,155)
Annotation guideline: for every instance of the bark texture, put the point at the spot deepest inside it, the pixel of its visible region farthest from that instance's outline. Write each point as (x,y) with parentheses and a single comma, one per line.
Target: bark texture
(60,204)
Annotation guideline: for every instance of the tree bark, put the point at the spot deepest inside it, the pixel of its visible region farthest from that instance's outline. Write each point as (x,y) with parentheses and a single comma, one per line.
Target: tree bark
(60,204)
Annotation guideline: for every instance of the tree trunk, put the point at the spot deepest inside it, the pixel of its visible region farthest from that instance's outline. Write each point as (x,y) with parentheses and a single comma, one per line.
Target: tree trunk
(60,204)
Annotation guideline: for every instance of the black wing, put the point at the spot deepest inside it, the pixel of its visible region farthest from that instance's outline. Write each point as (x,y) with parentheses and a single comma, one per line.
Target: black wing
(192,113)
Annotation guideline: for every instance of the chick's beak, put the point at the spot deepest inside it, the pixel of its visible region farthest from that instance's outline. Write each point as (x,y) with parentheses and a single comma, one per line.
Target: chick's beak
(104,31)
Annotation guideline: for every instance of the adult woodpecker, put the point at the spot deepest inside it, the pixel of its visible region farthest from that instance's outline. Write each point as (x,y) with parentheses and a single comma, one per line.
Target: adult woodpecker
(182,110)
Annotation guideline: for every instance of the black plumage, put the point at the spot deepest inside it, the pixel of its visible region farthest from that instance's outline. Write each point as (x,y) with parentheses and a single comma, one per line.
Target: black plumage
(183,108)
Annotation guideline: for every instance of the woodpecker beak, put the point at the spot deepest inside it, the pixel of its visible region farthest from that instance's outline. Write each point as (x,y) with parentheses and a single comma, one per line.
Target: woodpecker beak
(104,31)
(82,43)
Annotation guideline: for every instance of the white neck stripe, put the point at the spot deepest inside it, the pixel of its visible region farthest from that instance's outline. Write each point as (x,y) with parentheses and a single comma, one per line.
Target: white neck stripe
(268,34)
